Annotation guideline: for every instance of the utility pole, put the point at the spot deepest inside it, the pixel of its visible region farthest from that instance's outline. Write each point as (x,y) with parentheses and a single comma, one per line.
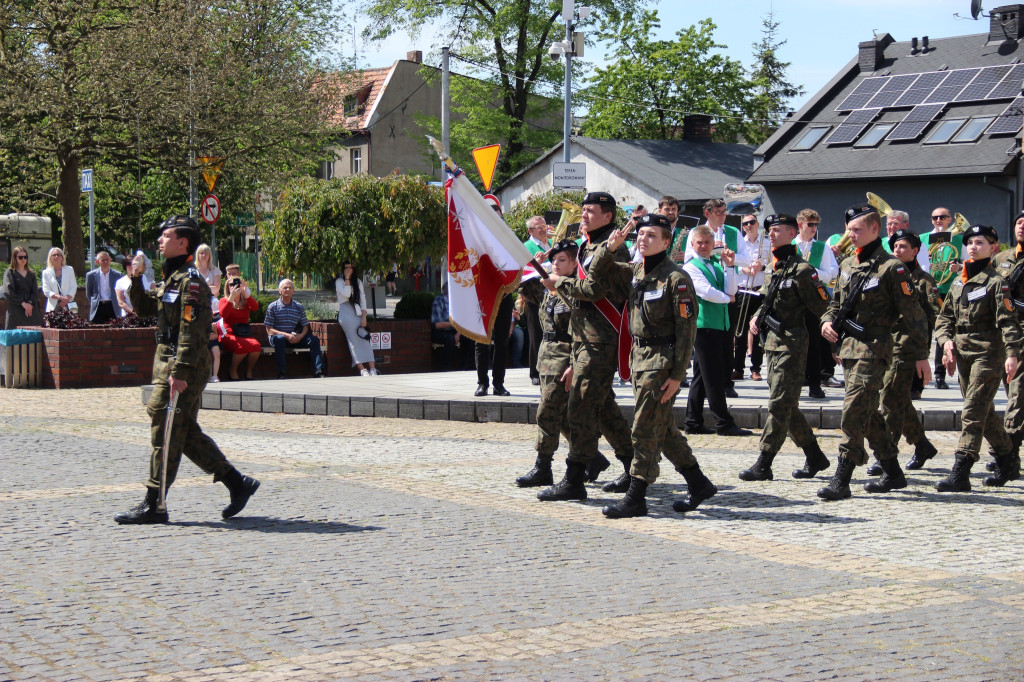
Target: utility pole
(446,120)
(567,14)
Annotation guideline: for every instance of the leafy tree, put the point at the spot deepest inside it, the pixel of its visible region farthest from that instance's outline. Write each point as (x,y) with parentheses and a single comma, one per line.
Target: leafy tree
(536,204)
(771,87)
(671,77)
(374,222)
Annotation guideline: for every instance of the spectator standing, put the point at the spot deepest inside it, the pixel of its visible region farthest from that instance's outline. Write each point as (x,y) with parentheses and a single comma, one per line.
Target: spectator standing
(352,318)
(538,244)
(99,287)
(287,326)
(206,268)
(137,267)
(59,285)
(748,299)
(21,293)
(236,335)
(391,281)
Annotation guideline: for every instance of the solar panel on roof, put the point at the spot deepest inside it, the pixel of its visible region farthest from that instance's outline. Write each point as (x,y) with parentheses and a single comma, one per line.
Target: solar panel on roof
(922,87)
(891,91)
(982,84)
(1010,120)
(1010,86)
(850,129)
(863,93)
(862,116)
(916,121)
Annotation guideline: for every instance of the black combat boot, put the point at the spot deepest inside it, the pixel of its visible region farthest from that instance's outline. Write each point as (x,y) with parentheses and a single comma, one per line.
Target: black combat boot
(875,469)
(569,488)
(620,484)
(892,477)
(633,504)
(539,475)
(1007,469)
(145,512)
(699,488)
(959,479)
(595,467)
(923,451)
(815,461)
(241,488)
(839,487)
(761,471)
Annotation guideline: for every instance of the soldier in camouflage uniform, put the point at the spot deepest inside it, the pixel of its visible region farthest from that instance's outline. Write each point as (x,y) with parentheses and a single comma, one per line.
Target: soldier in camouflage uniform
(981,339)
(181,366)
(592,408)
(798,292)
(662,309)
(873,292)
(898,410)
(1010,267)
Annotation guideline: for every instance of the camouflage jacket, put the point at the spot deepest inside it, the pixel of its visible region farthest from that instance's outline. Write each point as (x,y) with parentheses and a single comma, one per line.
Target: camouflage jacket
(928,298)
(888,295)
(799,293)
(1010,266)
(588,323)
(662,309)
(977,316)
(181,304)
(555,354)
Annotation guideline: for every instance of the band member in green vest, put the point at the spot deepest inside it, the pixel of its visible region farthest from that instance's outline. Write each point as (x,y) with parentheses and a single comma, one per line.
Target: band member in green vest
(942,221)
(538,245)
(725,236)
(900,220)
(715,283)
(820,257)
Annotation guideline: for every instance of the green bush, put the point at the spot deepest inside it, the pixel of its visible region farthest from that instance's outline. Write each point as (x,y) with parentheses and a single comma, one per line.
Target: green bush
(415,305)
(536,204)
(264,300)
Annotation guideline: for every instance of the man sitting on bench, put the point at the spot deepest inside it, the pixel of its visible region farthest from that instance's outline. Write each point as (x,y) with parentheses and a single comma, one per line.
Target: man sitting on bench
(287,326)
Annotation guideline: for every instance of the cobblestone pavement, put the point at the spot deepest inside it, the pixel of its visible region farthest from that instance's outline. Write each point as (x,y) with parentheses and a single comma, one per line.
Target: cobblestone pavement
(400,549)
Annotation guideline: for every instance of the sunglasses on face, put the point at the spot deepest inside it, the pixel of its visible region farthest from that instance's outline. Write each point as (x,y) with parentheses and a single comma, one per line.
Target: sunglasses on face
(748,223)
(940,217)
(812,224)
(22,257)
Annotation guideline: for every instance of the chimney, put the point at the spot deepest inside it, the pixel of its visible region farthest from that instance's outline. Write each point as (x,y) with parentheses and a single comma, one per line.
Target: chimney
(1004,23)
(872,52)
(415,56)
(697,127)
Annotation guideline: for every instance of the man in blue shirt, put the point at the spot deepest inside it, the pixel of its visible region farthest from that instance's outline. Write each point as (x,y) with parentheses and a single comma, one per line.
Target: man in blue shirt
(287,325)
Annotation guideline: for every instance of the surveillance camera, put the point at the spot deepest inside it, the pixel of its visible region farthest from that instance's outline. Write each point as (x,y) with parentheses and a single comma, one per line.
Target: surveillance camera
(555,51)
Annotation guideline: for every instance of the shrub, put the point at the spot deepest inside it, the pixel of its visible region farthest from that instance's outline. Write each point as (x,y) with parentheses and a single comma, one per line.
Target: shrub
(415,305)
(264,299)
(62,318)
(132,321)
(319,309)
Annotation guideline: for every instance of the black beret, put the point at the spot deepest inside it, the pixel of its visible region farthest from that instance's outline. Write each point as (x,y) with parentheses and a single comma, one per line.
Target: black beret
(179,221)
(912,238)
(858,211)
(780,219)
(602,199)
(653,220)
(566,245)
(1019,216)
(986,231)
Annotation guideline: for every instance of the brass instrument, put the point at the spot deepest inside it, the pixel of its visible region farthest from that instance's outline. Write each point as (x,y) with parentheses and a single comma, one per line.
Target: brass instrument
(943,254)
(571,213)
(879,203)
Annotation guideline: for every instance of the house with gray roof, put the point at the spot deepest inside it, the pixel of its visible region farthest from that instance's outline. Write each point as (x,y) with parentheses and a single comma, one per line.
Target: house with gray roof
(692,169)
(922,123)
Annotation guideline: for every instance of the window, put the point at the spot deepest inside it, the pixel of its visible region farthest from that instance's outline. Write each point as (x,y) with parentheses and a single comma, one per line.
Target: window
(875,135)
(357,160)
(810,138)
(351,105)
(973,129)
(944,131)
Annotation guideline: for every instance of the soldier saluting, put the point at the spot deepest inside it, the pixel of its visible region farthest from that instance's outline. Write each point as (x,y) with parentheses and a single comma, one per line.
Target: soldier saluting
(181,368)
(873,292)
(980,338)
(791,291)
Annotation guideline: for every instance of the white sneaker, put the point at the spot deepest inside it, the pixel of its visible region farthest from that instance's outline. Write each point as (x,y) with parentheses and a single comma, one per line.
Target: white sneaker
(364,372)
(375,372)
(214,379)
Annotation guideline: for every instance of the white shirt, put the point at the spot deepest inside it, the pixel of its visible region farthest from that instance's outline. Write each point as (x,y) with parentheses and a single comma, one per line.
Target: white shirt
(124,284)
(704,288)
(67,286)
(742,256)
(759,249)
(105,293)
(344,291)
(829,269)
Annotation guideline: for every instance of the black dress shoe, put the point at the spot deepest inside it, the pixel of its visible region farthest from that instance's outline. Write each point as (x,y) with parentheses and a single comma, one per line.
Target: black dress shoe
(734,430)
(698,430)
(941,384)
(144,513)
(499,390)
(915,395)
(535,381)
(815,392)
(730,392)
(481,389)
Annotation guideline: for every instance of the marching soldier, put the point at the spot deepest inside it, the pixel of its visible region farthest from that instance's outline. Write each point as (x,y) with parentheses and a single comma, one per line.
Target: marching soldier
(592,409)
(791,291)
(897,408)
(1010,267)
(181,367)
(873,292)
(662,308)
(980,339)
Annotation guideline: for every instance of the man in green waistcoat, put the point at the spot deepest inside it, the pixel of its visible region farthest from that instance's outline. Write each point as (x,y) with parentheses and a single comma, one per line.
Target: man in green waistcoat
(942,221)
(816,253)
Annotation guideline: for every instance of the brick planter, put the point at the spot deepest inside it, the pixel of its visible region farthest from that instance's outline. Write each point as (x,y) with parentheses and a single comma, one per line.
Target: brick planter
(80,358)
(409,352)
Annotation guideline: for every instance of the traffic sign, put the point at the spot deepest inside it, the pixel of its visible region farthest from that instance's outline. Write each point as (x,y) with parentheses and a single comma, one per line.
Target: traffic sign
(569,175)
(212,166)
(210,208)
(486,161)
(87,180)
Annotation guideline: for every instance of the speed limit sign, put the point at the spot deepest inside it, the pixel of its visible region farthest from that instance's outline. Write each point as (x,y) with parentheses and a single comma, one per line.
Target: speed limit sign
(210,208)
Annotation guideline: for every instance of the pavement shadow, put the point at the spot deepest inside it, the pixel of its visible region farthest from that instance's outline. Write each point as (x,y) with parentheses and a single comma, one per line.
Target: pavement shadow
(972,497)
(267,524)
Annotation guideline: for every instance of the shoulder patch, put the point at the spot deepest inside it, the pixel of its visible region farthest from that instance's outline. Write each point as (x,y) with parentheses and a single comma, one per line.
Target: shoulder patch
(905,285)
(900,269)
(1008,304)
(814,274)
(193,294)
(822,293)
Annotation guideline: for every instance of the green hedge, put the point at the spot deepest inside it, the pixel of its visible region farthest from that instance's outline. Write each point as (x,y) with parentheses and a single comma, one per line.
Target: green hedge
(415,305)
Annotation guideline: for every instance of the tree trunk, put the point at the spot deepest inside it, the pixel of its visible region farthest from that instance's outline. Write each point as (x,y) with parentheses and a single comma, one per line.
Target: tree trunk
(69,195)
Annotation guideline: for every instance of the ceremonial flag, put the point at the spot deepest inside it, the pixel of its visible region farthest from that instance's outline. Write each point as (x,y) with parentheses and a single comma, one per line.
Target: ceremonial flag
(485,259)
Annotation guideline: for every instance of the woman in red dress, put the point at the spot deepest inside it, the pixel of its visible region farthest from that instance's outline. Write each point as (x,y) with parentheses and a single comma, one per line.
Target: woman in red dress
(236,336)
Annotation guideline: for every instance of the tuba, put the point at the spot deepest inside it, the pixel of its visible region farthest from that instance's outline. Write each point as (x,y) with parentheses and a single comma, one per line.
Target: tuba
(570,214)
(943,254)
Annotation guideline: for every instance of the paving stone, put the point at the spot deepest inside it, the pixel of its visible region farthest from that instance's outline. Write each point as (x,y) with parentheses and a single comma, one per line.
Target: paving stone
(436,409)
(251,402)
(409,408)
(360,407)
(338,406)
(273,403)
(231,401)
(488,411)
(385,407)
(462,410)
(293,404)
(515,413)
(317,404)
(211,400)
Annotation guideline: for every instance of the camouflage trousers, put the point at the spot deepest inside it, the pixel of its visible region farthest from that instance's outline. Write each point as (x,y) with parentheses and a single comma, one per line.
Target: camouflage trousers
(979,381)
(654,428)
(898,409)
(552,415)
(785,381)
(861,418)
(592,408)
(186,436)
(1014,419)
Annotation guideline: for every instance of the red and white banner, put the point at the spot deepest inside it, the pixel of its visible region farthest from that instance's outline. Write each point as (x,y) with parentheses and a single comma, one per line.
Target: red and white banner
(485,259)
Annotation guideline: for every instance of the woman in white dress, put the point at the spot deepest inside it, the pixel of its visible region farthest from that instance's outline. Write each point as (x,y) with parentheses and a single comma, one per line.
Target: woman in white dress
(59,285)
(352,318)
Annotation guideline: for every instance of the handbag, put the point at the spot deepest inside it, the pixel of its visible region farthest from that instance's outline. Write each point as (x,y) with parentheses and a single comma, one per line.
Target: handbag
(242,330)
(363,333)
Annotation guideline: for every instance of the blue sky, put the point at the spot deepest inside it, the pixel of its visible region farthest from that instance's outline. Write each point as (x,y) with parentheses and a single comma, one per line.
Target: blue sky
(822,36)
